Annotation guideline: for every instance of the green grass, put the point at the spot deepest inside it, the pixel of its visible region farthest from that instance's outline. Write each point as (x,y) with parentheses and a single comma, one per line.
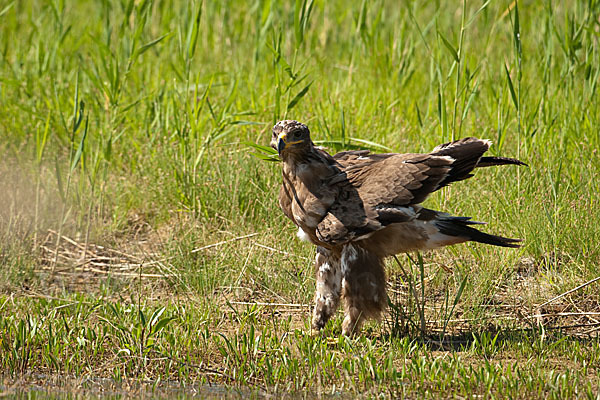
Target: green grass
(141,240)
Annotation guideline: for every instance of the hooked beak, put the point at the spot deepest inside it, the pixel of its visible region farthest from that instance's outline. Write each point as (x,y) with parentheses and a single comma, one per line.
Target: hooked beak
(281,143)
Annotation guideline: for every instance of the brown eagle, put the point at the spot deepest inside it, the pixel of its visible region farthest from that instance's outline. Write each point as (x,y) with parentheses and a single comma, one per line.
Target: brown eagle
(359,208)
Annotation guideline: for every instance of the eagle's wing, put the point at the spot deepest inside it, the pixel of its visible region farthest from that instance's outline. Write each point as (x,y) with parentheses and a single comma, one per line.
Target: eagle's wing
(350,155)
(399,179)
(380,189)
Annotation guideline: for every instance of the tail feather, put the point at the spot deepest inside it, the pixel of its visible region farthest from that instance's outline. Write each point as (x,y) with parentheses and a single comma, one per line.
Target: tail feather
(468,155)
(465,220)
(491,161)
(459,227)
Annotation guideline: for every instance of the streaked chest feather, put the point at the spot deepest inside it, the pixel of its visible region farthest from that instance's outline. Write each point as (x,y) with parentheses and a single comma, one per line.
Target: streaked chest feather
(311,197)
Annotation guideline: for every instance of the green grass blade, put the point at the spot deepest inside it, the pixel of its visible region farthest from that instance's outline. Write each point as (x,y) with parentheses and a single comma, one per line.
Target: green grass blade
(517,30)
(7,8)
(449,46)
(80,148)
(299,96)
(266,153)
(370,144)
(193,31)
(511,88)
(151,44)
(476,13)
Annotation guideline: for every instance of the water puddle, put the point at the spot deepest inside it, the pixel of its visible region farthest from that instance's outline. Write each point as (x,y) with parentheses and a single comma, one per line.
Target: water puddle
(43,387)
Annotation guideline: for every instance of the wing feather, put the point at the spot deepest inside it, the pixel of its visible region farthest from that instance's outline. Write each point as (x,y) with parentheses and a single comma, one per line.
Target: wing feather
(402,179)
(378,191)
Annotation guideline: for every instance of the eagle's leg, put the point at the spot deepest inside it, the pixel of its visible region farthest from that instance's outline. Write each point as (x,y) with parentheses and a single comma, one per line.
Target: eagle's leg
(329,284)
(363,287)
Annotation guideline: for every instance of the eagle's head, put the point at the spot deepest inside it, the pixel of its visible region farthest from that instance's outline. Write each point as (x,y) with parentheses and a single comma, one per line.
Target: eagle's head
(289,137)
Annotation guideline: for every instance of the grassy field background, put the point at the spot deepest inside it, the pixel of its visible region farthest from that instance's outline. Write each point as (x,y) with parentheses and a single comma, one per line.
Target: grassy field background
(141,241)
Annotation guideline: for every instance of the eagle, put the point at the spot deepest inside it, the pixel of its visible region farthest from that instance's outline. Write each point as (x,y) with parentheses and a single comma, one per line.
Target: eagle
(358,207)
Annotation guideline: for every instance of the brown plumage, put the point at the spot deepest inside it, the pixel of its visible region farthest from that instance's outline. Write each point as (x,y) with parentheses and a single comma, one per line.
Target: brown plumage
(359,207)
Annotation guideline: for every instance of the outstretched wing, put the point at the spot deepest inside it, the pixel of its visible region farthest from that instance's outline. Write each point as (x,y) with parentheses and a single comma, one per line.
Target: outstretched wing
(400,179)
(381,189)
